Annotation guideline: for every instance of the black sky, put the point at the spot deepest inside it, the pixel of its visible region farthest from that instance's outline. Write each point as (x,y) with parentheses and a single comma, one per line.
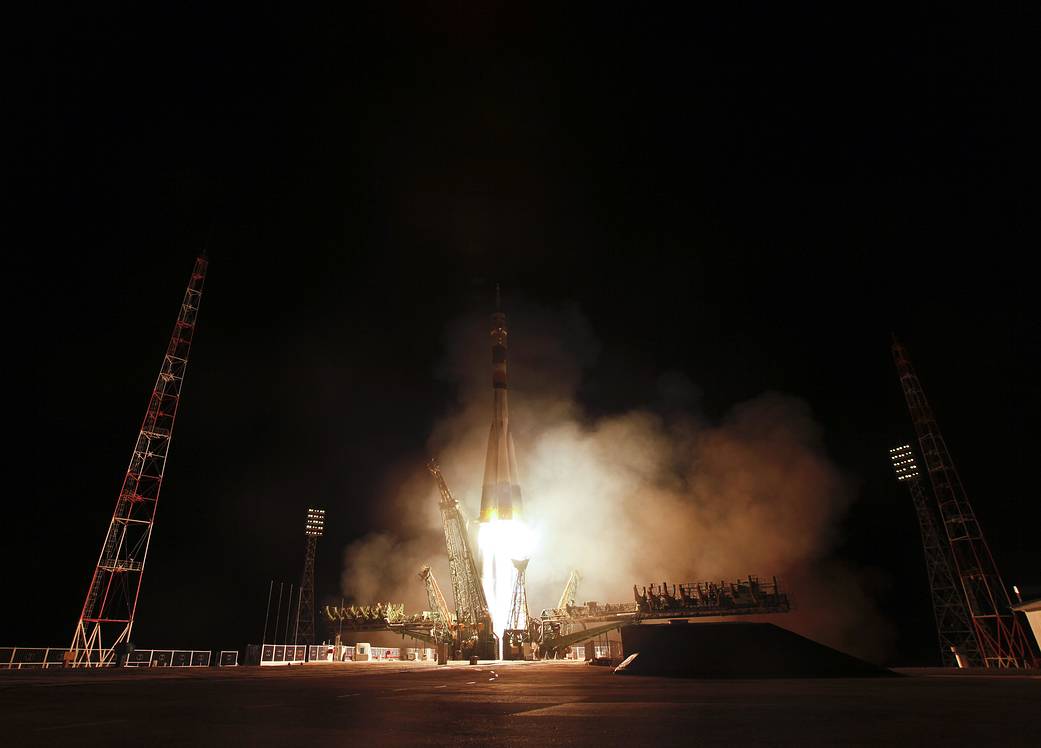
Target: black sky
(755,198)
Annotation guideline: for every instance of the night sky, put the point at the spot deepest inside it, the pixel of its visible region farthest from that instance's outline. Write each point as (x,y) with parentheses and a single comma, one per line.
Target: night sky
(755,199)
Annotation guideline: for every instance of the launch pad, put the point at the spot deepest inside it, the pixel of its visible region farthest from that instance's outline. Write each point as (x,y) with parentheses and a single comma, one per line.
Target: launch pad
(491,618)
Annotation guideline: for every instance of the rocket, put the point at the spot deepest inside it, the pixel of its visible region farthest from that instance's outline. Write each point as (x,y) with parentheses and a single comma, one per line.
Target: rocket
(500,493)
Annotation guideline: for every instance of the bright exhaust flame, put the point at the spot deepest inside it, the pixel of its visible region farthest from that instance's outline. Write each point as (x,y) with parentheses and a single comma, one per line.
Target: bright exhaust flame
(501,541)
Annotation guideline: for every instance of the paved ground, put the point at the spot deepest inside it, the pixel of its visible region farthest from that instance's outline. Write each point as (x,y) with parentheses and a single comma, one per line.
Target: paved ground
(516,704)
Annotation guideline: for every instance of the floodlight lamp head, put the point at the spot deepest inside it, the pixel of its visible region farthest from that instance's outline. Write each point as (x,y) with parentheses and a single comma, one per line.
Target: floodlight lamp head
(904,464)
(315,525)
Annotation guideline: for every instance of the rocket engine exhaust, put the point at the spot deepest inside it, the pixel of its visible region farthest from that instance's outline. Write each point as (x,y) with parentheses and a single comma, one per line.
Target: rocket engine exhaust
(501,542)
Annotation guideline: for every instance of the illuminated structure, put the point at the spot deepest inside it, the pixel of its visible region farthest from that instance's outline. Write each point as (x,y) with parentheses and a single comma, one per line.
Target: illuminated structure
(471,605)
(500,492)
(517,631)
(954,629)
(314,528)
(570,624)
(570,591)
(502,535)
(443,624)
(999,635)
(551,633)
(107,617)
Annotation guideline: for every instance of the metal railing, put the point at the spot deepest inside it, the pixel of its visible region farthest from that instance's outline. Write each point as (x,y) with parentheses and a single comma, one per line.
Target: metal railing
(18,658)
(283,654)
(24,658)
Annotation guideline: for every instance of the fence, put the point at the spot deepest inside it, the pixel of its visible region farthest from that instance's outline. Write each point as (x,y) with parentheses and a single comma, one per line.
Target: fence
(289,654)
(17,658)
(578,652)
(327,653)
(273,655)
(282,654)
(419,653)
(169,658)
(403,653)
(23,658)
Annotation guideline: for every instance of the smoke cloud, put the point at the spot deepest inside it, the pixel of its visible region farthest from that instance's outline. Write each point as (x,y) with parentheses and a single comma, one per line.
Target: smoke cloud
(649,495)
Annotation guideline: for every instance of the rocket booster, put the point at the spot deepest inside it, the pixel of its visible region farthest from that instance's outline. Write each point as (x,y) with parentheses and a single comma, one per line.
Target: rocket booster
(500,493)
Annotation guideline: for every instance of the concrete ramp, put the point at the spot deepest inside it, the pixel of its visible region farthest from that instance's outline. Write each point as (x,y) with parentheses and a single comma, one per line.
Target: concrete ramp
(734,650)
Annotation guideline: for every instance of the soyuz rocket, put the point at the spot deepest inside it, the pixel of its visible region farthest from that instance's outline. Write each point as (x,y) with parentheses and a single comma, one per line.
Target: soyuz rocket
(500,493)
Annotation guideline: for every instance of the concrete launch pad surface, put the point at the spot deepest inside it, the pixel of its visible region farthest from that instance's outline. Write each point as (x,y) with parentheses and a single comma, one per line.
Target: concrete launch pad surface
(508,704)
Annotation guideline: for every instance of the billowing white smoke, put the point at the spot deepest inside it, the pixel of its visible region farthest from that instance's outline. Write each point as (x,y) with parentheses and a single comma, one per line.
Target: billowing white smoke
(632,498)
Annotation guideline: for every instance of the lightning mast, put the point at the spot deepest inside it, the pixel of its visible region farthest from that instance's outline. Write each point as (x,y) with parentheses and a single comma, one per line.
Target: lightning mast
(999,635)
(954,628)
(107,616)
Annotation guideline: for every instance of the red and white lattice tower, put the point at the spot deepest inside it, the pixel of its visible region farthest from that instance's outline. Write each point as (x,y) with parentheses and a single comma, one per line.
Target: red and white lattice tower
(107,617)
(1001,639)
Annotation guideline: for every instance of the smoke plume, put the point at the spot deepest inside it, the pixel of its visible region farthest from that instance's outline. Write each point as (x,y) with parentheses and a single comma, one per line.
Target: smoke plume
(649,495)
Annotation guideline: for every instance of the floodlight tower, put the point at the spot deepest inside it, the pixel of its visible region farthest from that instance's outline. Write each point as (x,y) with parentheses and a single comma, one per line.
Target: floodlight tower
(313,529)
(954,631)
(1002,641)
(107,617)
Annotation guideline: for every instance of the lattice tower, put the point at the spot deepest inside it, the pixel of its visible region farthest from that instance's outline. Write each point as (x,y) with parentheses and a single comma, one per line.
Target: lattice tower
(999,635)
(471,605)
(107,617)
(570,591)
(314,528)
(519,618)
(438,606)
(954,630)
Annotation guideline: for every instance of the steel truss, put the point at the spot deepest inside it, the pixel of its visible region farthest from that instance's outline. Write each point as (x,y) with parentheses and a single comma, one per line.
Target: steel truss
(954,630)
(518,624)
(1000,638)
(107,617)
(313,529)
(471,604)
